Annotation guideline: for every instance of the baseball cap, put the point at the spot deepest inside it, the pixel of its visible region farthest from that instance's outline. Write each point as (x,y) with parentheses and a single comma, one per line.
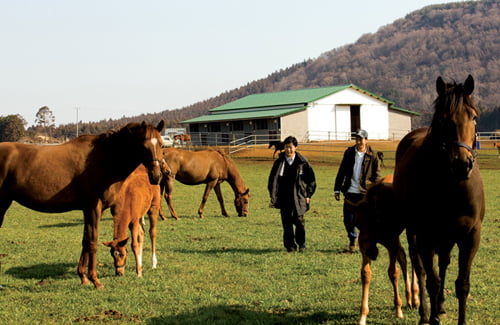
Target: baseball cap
(361,133)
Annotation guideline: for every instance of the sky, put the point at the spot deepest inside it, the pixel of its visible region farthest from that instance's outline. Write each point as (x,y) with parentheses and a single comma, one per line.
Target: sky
(93,60)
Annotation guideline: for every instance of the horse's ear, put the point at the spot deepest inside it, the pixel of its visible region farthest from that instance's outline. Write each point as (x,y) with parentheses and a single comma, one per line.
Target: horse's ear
(469,85)
(160,126)
(247,191)
(440,86)
(123,242)
(108,243)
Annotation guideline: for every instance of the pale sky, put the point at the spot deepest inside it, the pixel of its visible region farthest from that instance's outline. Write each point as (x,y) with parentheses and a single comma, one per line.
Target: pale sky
(106,59)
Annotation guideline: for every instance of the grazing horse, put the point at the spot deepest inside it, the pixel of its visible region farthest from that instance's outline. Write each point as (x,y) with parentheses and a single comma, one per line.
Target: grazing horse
(136,198)
(210,167)
(377,223)
(82,174)
(439,189)
(278,146)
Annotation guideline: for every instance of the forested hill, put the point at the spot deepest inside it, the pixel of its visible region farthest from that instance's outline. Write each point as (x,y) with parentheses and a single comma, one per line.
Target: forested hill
(400,62)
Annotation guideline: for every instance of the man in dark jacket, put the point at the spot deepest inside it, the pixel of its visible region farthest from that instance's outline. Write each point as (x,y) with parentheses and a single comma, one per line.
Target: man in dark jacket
(358,170)
(291,185)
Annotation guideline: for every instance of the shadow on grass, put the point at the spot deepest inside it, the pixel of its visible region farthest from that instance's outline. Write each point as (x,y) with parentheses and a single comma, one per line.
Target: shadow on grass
(236,314)
(42,271)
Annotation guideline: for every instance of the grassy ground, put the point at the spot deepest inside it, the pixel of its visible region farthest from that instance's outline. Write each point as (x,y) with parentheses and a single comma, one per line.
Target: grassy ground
(221,270)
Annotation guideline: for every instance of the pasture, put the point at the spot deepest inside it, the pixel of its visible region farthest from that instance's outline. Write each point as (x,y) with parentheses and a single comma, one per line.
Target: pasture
(221,270)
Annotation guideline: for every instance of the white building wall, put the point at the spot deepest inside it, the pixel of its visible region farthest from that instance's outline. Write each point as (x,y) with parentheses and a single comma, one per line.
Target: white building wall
(330,117)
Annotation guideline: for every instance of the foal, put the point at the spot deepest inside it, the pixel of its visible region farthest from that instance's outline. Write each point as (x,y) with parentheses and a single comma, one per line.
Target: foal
(137,197)
(378,224)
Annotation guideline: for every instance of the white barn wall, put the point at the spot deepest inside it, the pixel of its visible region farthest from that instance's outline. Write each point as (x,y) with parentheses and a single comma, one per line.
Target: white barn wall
(330,118)
(295,125)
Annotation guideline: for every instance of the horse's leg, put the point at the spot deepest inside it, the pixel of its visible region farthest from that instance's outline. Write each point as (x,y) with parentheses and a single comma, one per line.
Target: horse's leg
(4,206)
(221,200)
(89,247)
(419,275)
(467,250)
(169,188)
(444,261)
(366,276)
(204,199)
(433,282)
(153,219)
(393,273)
(137,244)
(409,293)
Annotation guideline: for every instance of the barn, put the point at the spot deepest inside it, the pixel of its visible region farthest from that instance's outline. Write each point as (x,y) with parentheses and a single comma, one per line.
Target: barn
(313,114)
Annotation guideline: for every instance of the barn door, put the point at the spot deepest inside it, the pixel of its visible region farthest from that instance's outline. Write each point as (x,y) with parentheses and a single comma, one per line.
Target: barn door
(355,118)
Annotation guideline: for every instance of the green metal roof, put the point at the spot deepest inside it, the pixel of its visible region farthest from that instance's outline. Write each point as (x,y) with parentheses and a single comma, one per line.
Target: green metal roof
(268,113)
(290,97)
(269,105)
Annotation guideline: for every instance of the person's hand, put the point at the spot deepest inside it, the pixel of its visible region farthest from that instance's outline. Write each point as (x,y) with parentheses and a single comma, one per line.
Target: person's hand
(308,200)
(337,196)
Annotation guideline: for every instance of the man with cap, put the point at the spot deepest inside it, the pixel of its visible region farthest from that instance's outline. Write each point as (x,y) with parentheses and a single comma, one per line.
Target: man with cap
(358,170)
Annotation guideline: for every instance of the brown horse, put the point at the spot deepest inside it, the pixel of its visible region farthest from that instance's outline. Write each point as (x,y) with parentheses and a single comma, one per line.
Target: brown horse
(136,198)
(182,139)
(210,167)
(82,174)
(377,223)
(439,188)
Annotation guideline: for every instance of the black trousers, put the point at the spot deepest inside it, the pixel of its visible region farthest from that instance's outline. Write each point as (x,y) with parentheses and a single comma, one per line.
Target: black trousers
(291,240)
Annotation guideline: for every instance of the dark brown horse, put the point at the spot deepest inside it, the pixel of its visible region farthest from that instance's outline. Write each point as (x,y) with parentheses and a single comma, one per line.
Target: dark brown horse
(136,198)
(82,174)
(278,146)
(439,188)
(378,223)
(210,167)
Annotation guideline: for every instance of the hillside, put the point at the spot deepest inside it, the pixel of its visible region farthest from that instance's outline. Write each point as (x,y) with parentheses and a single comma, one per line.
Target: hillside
(400,62)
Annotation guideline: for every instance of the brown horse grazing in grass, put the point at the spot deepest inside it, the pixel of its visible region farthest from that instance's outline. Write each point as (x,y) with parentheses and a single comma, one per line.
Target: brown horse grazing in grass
(136,198)
(377,223)
(210,167)
(439,189)
(82,174)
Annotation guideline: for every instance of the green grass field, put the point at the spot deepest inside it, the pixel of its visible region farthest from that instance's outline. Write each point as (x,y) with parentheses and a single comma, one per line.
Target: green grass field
(221,270)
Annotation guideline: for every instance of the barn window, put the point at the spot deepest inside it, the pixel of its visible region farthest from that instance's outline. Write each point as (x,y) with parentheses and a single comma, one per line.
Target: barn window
(260,125)
(237,125)
(194,128)
(214,127)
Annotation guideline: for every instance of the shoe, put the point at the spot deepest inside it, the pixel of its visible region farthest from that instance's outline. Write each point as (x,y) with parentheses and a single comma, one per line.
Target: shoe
(291,249)
(302,249)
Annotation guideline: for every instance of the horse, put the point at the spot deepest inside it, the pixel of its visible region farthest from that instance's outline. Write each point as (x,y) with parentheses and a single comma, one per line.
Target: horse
(182,139)
(377,223)
(278,146)
(81,174)
(439,189)
(211,167)
(136,198)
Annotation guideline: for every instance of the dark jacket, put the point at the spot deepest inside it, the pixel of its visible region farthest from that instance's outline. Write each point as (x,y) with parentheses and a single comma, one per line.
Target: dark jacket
(305,183)
(370,170)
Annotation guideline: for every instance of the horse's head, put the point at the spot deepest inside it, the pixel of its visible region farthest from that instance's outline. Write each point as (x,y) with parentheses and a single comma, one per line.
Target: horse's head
(241,203)
(118,250)
(150,142)
(454,125)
